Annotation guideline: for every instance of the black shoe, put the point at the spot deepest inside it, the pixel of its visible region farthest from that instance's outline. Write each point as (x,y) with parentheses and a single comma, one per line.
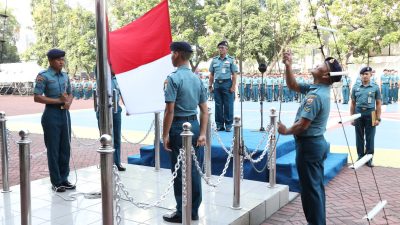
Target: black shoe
(220,128)
(195,217)
(121,168)
(369,163)
(228,129)
(67,185)
(58,188)
(172,218)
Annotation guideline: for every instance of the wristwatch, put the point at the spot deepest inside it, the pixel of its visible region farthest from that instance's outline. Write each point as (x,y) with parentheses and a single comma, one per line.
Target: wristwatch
(379,119)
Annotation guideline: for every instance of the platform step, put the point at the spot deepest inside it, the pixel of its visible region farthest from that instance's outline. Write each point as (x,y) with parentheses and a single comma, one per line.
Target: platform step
(361,162)
(371,214)
(287,171)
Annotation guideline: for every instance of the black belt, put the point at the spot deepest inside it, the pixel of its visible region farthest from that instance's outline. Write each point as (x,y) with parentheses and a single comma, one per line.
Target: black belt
(55,106)
(306,137)
(345,85)
(185,118)
(365,109)
(220,81)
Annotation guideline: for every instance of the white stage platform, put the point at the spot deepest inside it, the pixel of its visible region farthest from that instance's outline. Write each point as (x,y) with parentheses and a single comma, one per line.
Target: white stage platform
(258,202)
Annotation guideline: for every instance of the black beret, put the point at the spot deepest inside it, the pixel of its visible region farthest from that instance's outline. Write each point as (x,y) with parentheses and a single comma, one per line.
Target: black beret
(365,69)
(55,53)
(333,64)
(223,43)
(180,46)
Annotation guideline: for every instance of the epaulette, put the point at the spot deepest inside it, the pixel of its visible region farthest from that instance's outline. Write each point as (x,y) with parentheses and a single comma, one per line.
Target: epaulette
(42,72)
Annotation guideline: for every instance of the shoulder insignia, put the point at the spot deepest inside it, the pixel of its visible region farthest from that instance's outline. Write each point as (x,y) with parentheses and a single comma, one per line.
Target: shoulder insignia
(39,78)
(165,84)
(310,99)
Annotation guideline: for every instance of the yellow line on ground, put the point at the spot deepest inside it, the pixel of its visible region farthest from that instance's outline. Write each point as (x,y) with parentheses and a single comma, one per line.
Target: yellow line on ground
(382,157)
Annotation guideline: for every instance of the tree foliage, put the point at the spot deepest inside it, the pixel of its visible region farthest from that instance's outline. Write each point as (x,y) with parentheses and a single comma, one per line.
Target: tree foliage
(58,25)
(9,28)
(366,25)
(257,30)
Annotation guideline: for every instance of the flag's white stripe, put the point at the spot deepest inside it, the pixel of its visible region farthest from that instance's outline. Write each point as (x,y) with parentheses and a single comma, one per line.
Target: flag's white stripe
(143,88)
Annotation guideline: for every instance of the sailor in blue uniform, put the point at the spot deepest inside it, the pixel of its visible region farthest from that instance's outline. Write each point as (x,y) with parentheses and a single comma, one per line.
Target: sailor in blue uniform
(223,72)
(308,129)
(395,82)
(385,84)
(346,81)
(269,81)
(366,99)
(184,92)
(53,88)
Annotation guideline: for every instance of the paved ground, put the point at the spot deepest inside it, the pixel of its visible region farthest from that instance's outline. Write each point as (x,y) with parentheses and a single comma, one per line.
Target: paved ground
(344,205)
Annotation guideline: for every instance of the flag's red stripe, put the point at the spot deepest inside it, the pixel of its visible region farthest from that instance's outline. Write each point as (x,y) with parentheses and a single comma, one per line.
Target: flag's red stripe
(142,41)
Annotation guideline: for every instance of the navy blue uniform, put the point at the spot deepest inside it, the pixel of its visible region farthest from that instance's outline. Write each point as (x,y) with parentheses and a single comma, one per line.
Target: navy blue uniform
(56,124)
(365,97)
(311,151)
(223,69)
(186,90)
(116,116)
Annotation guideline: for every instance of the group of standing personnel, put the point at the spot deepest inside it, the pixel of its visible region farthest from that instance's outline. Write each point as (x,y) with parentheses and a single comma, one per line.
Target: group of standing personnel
(269,87)
(83,89)
(390,81)
(185,92)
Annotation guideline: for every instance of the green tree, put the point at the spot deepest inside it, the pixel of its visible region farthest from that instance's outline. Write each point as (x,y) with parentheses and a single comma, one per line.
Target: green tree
(57,25)
(268,27)
(187,21)
(366,25)
(10,29)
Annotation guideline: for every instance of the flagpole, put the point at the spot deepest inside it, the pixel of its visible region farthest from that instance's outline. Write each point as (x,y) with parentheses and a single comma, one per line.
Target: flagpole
(105,112)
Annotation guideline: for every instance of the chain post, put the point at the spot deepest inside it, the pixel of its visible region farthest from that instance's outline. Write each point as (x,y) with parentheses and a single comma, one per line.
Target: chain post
(25,177)
(4,152)
(157,134)
(187,182)
(106,166)
(236,164)
(272,150)
(207,155)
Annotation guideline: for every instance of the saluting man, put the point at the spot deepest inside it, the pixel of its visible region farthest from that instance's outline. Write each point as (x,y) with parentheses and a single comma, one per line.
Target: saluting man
(367,100)
(223,72)
(184,92)
(54,89)
(308,130)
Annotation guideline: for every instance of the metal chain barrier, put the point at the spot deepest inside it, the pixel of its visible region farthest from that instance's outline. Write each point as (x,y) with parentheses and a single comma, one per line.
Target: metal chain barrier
(95,142)
(117,196)
(144,138)
(249,156)
(215,134)
(121,187)
(207,179)
(262,140)
(241,167)
(184,189)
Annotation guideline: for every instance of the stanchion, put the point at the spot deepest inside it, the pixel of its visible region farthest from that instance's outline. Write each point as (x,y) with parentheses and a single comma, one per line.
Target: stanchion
(236,164)
(157,130)
(106,163)
(4,152)
(187,182)
(25,177)
(272,149)
(207,154)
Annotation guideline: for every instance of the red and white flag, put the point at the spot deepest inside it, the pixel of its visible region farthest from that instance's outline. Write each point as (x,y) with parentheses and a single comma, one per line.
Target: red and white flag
(140,57)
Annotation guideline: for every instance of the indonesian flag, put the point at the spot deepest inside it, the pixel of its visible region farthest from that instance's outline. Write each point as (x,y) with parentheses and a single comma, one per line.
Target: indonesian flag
(140,57)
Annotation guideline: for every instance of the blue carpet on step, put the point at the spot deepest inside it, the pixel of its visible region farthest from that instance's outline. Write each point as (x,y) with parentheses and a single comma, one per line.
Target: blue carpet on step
(254,141)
